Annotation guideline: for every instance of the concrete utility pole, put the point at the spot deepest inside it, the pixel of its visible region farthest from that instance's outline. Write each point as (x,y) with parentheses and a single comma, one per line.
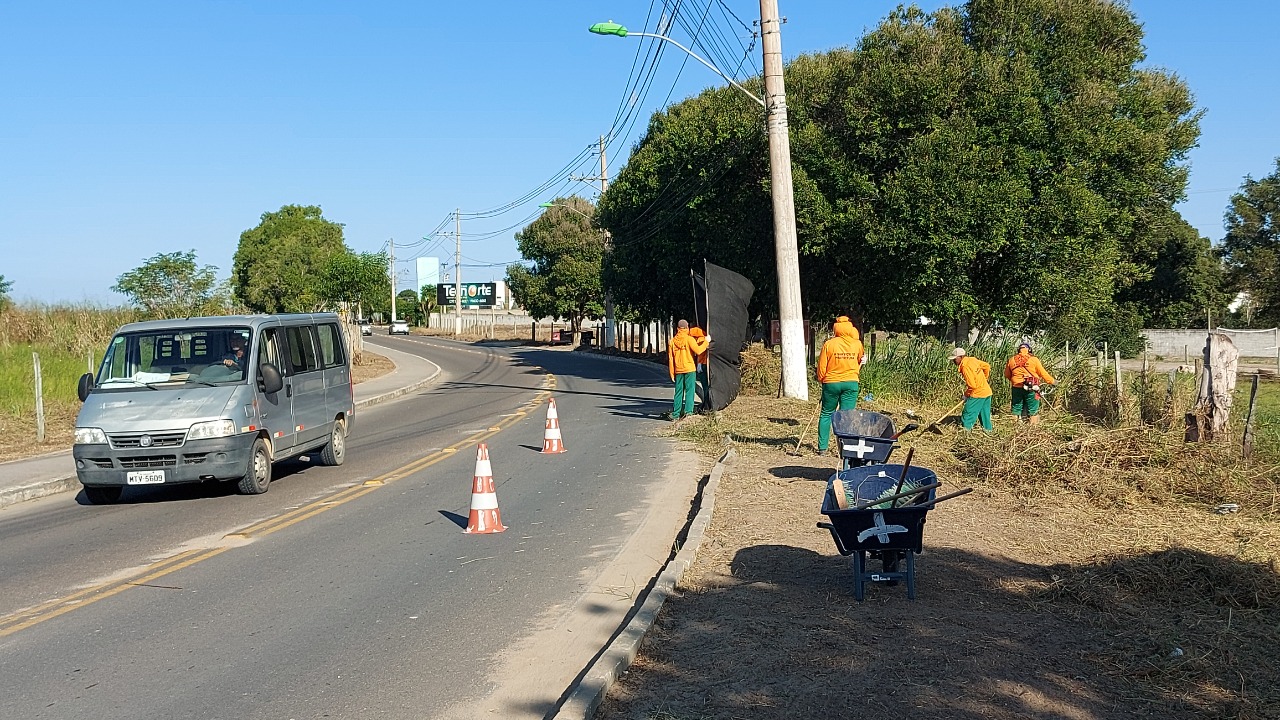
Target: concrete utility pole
(790,308)
(457,271)
(391,270)
(610,332)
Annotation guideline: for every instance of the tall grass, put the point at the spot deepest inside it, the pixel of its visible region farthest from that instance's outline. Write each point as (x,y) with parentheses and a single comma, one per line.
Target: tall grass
(65,336)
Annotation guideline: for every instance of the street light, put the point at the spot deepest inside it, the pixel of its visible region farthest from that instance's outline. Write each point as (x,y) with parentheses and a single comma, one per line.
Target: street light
(786,247)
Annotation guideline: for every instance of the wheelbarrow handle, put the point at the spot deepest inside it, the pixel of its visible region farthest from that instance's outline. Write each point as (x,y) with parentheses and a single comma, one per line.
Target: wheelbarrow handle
(876,501)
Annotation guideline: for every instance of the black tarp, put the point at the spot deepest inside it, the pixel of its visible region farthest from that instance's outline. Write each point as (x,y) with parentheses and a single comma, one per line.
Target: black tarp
(720,299)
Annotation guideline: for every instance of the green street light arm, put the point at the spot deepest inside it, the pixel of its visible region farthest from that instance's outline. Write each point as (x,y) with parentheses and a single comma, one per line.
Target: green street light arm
(612,28)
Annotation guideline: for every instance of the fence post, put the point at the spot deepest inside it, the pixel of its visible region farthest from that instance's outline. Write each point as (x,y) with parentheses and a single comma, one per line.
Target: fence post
(1119,392)
(35,359)
(1247,447)
(1068,354)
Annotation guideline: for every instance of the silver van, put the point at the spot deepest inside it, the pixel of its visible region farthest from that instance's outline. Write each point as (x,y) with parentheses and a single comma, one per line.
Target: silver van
(213,398)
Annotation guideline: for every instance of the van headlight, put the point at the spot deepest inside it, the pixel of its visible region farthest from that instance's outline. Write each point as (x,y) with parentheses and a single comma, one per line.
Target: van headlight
(90,436)
(211,429)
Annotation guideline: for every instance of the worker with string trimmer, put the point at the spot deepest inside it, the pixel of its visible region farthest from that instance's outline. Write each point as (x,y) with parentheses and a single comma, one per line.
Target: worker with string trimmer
(1028,376)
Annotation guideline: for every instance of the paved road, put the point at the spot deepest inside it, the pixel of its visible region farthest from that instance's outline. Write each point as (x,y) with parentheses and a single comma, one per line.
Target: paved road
(351,591)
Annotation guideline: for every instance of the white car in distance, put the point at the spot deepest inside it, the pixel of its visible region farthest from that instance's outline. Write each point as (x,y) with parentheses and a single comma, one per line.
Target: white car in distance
(398,327)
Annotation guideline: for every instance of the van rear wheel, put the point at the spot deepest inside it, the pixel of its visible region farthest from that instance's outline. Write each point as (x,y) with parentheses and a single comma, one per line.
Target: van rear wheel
(336,451)
(258,479)
(103,494)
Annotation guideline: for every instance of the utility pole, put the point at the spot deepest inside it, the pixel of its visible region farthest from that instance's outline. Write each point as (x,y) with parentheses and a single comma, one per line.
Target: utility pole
(391,270)
(790,308)
(610,334)
(457,271)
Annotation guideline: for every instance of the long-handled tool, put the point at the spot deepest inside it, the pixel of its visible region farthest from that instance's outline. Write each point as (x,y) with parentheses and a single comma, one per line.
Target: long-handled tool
(906,465)
(908,428)
(933,426)
(913,491)
(804,432)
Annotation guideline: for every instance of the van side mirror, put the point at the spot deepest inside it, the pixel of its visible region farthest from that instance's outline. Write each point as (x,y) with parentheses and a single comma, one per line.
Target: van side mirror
(269,380)
(85,386)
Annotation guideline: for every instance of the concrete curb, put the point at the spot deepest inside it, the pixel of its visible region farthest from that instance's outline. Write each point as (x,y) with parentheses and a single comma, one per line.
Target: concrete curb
(64,483)
(39,489)
(585,697)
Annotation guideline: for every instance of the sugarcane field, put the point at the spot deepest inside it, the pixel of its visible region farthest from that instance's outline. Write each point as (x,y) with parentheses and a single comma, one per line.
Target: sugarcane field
(1101,567)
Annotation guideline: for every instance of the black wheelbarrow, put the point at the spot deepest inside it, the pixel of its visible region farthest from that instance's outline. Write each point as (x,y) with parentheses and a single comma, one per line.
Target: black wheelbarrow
(890,531)
(864,437)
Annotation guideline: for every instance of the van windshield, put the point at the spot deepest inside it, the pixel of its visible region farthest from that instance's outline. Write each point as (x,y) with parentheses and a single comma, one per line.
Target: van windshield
(172,358)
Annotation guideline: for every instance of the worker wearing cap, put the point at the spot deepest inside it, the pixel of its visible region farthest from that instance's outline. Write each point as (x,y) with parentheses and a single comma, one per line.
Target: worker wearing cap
(1026,373)
(700,364)
(977,390)
(838,368)
(681,354)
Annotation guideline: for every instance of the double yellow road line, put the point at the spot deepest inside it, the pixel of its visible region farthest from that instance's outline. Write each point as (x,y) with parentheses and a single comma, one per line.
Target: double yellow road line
(147,575)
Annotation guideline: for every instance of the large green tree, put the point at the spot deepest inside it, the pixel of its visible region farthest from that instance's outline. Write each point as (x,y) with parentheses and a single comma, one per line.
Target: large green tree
(1183,280)
(1251,248)
(279,264)
(357,280)
(1000,162)
(173,285)
(564,248)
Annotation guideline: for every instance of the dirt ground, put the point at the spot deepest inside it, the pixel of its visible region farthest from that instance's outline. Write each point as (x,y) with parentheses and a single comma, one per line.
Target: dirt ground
(1044,608)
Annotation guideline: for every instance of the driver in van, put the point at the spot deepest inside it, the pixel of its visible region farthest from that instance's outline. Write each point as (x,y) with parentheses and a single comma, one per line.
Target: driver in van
(235,358)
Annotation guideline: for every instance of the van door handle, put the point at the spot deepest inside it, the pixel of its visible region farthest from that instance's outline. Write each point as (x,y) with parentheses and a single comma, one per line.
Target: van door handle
(288,390)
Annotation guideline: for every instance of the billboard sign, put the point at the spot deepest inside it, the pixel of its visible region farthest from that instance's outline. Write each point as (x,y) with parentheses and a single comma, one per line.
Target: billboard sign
(474,295)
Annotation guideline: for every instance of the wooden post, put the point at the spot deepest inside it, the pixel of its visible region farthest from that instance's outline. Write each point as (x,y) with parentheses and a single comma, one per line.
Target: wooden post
(91,362)
(1278,350)
(35,359)
(1119,390)
(1247,447)
(1186,357)
(1067,359)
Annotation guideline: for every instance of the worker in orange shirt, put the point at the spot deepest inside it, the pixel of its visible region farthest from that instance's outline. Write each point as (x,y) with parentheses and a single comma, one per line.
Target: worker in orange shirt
(700,363)
(838,368)
(1026,373)
(681,354)
(977,390)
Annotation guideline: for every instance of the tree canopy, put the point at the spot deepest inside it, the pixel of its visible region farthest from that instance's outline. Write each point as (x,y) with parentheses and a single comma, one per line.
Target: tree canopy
(1000,161)
(6,286)
(172,285)
(564,248)
(280,263)
(355,279)
(1251,248)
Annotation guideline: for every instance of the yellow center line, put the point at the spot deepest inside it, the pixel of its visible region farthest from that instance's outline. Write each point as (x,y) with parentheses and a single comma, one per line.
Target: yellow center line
(23,619)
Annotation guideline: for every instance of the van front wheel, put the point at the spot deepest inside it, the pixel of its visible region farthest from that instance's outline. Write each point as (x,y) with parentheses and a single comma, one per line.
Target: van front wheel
(336,451)
(258,479)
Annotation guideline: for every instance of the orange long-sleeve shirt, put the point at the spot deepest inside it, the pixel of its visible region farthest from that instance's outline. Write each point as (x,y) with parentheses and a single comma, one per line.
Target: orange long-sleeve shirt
(976,374)
(697,334)
(1024,364)
(681,351)
(841,358)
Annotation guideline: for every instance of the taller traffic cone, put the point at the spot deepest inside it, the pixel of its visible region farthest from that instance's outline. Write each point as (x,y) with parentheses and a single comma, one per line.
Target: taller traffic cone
(551,441)
(484,517)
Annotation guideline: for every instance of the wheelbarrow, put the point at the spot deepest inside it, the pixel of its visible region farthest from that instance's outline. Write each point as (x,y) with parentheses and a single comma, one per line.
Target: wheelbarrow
(890,531)
(864,437)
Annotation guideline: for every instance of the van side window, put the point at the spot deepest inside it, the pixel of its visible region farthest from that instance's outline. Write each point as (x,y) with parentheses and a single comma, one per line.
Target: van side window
(302,348)
(331,345)
(269,349)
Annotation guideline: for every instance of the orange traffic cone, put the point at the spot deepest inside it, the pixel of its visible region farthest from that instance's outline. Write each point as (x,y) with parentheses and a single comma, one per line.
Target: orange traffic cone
(484,516)
(551,441)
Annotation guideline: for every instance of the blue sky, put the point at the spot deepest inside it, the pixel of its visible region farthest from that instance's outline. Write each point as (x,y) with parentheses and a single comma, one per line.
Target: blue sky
(129,129)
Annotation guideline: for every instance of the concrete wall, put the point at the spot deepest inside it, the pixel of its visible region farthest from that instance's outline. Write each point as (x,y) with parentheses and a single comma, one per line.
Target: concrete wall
(1171,344)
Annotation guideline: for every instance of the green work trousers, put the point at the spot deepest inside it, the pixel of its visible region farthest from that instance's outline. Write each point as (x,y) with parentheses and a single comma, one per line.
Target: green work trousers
(1025,401)
(682,403)
(835,395)
(976,409)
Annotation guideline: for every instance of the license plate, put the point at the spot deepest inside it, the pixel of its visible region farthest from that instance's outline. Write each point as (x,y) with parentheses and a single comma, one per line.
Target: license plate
(145,477)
